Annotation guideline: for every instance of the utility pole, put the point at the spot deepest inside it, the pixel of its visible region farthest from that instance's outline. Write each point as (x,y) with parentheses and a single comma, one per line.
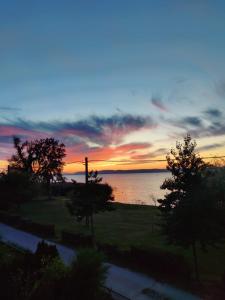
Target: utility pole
(86,170)
(92,208)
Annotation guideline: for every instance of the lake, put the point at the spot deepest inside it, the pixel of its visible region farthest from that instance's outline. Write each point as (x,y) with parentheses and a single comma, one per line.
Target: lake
(139,188)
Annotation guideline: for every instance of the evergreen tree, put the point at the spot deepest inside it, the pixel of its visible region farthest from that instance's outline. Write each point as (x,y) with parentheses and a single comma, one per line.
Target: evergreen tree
(89,199)
(191,211)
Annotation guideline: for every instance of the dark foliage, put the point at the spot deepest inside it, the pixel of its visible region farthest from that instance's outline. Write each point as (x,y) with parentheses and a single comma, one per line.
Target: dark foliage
(40,276)
(156,262)
(90,198)
(76,240)
(46,253)
(191,211)
(62,188)
(41,159)
(45,230)
(16,188)
(21,272)
(88,275)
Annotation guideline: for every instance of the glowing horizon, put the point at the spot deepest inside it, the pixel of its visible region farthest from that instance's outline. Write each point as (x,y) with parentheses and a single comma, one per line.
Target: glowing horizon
(119,80)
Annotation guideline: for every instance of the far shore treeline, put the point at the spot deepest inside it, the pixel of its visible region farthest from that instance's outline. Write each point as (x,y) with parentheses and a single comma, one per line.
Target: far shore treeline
(191,216)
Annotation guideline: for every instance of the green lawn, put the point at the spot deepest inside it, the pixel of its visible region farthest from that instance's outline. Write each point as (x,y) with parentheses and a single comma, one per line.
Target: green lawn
(127,225)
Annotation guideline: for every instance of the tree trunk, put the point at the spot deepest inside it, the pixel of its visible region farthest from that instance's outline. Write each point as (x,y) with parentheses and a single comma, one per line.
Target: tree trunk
(87,221)
(92,230)
(49,190)
(195,260)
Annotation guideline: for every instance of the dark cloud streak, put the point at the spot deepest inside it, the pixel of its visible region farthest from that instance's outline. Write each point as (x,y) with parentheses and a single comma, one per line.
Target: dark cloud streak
(158,103)
(100,130)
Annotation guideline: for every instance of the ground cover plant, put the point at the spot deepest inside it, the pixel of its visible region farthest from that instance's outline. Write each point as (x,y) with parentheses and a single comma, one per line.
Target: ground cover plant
(42,275)
(128,225)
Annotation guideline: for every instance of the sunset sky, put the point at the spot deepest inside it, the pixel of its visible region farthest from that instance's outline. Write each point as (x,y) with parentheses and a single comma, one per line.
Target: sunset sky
(117,80)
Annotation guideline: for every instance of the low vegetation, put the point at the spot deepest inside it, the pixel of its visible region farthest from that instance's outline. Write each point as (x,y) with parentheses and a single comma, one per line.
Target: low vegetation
(161,241)
(27,276)
(126,226)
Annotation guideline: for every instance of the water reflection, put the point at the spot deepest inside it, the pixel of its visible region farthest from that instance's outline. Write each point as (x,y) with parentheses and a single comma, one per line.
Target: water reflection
(140,188)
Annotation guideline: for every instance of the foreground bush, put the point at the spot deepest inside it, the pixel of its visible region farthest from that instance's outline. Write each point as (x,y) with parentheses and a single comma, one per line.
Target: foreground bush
(88,275)
(45,230)
(76,240)
(40,276)
(157,262)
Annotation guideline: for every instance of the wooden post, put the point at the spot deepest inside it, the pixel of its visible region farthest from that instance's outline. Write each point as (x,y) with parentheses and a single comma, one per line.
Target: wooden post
(86,170)
(91,217)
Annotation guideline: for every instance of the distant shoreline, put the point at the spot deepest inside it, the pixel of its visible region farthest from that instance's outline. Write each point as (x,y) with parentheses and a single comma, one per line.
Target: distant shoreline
(102,172)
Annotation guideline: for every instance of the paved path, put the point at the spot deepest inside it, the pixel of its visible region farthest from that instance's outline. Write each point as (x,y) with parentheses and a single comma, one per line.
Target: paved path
(123,281)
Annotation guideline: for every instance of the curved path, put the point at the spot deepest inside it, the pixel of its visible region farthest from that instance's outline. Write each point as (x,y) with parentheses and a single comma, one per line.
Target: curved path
(125,283)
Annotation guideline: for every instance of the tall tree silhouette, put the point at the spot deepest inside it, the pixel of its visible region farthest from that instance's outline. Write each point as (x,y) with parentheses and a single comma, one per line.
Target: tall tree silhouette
(42,159)
(89,199)
(191,209)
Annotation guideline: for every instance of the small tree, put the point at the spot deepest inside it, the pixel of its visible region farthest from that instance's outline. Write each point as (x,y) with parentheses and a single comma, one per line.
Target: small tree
(41,159)
(191,210)
(91,198)
(88,275)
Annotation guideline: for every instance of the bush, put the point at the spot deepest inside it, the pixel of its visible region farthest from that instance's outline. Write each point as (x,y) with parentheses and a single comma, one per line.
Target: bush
(87,276)
(16,188)
(46,230)
(46,253)
(162,262)
(23,276)
(62,188)
(151,261)
(10,219)
(223,279)
(109,250)
(76,240)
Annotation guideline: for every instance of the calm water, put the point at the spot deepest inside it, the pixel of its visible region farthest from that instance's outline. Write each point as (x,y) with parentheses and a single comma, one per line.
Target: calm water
(133,188)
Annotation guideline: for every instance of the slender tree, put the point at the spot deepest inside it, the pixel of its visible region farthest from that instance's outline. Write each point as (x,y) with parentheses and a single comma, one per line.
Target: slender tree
(191,211)
(89,199)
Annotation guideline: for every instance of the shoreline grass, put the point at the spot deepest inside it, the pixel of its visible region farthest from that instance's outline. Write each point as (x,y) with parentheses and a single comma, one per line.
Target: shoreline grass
(128,225)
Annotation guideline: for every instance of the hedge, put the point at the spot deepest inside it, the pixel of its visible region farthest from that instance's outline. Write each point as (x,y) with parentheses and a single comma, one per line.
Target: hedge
(152,261)
(76,240)
(45,230)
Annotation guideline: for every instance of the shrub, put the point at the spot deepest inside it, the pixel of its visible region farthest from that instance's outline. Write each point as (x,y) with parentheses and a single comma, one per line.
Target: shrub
(88,275)
(223,279)
(16,188)
(76,240)
(23,277)
(161,262)
(46,253)
(10,219)
(47,230)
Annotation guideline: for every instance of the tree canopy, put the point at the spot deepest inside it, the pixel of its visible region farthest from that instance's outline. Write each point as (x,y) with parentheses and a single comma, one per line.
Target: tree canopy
(191,209)
(90,198)
(42,159)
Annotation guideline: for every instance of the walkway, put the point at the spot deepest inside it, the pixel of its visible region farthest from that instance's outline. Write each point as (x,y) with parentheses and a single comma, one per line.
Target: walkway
(123,281)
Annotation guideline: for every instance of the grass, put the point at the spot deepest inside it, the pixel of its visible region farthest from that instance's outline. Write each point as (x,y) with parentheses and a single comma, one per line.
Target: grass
(127,225)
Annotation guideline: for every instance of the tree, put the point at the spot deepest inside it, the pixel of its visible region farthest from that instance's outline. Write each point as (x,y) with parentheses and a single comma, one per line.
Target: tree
(191,211)
(91,198)
(88,275)
(41,159)
(16,188)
